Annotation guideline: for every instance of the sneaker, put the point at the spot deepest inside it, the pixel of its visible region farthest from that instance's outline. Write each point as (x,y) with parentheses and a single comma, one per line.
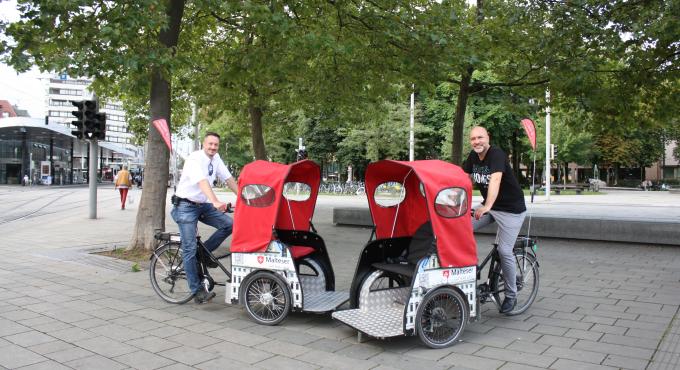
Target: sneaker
(202,296)
(508,305)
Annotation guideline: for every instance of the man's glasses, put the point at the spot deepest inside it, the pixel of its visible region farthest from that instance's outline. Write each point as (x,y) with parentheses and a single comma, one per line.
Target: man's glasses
(210,169)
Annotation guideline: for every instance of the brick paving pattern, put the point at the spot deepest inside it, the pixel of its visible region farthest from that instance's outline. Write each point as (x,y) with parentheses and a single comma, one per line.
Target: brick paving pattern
(600,306)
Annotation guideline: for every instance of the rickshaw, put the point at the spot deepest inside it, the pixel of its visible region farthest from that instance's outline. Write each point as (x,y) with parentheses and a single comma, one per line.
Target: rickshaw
(418,273)
(278,262)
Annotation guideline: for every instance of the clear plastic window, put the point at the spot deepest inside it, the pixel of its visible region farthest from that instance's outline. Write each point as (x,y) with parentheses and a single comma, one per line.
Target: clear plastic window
(389,194)
(297,191)
(257,195)
(451,202)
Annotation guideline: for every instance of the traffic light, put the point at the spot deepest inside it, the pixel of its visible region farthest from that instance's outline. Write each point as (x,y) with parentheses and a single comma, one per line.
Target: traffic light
(301,154)
(91,124)
(99,126)
(95,126)
(552,152)
(555,151)
(89,119)
(79,114)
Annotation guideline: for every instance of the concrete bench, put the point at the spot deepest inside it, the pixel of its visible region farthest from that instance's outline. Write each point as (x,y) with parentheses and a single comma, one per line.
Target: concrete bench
(588,228)
(579,188)
(352,216)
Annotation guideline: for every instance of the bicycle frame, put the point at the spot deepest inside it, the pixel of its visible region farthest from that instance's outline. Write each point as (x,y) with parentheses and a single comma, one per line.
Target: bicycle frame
(484,290)
(202,252)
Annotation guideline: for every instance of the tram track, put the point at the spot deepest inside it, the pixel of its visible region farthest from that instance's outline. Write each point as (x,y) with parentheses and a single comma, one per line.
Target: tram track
(7,197)
(37,212)
(21,216)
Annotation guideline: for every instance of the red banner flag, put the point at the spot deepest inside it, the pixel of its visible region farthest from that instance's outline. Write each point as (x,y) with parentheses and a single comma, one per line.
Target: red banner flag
(162,126)
(530,129)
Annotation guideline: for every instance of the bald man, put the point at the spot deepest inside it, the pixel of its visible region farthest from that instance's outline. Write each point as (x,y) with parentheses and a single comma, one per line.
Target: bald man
(503,202)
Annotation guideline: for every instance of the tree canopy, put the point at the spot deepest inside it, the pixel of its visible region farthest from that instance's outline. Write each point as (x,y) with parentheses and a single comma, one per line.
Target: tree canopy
(339,74)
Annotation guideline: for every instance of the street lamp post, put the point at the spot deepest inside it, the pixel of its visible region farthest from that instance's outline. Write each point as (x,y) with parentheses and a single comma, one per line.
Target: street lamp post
(411,140)
(547,145)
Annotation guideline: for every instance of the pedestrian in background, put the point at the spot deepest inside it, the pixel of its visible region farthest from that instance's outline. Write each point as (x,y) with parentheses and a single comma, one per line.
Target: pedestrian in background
(122,182)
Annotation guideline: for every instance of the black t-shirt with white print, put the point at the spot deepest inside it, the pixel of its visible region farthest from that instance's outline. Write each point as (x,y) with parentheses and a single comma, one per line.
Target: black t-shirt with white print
(510,196)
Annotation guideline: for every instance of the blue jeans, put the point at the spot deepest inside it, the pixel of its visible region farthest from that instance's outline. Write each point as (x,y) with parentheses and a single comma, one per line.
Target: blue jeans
(187,215)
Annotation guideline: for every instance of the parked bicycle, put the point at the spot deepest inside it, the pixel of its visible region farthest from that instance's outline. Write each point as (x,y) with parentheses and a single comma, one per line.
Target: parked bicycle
(347,188)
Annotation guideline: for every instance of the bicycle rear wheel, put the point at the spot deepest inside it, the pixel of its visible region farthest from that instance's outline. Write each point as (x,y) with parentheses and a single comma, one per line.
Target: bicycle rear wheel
(167,275)
(527,281)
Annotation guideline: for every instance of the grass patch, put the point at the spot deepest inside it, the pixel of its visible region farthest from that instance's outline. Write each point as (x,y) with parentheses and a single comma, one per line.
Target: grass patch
(139,256)
(564,192)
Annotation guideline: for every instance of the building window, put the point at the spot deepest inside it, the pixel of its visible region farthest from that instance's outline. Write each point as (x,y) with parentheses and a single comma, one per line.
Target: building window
(60,103)
(70,82)
(56,113)
(55,91)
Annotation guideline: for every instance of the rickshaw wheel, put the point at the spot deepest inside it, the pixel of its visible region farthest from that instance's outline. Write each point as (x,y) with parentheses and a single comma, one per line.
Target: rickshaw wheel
(312,265)
(266,298)
(441,317)
(389,280)
(167,275)
(527,282)
(386,280)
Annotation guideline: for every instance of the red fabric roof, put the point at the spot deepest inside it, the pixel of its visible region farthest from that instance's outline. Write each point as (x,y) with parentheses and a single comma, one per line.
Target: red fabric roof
(253,226)
(456,245)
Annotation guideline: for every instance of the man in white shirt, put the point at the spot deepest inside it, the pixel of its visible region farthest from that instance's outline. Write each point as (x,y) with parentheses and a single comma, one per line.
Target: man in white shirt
(195,201)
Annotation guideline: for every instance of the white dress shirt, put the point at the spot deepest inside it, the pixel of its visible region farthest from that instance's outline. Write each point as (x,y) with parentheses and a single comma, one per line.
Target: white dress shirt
(196,168)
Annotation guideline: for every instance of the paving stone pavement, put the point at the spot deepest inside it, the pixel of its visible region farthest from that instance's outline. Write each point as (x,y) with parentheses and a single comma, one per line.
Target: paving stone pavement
(600,305)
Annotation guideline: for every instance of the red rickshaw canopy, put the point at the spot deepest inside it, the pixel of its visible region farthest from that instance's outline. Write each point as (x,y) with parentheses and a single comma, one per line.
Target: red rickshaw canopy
(456,245)
(255,220)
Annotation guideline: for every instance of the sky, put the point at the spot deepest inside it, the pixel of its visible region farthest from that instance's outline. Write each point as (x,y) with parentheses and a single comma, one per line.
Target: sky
(25,90)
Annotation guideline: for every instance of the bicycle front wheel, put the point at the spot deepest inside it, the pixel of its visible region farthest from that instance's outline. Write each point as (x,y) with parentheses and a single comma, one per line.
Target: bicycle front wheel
(167,275)
(527,282)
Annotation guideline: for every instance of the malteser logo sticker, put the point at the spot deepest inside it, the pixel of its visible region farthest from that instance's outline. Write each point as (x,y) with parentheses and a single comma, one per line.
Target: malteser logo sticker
(269,262)
(277,260)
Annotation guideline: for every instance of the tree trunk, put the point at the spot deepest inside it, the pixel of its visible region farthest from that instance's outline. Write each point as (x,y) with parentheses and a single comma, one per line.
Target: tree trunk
(575,178)
(255,112)
(151,213)
(459,118)
(643,174)
(461,104)
(616,175)
(608,175)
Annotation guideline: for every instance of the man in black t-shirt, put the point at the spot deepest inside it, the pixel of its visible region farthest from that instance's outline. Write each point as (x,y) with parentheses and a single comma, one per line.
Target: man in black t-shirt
(503,202)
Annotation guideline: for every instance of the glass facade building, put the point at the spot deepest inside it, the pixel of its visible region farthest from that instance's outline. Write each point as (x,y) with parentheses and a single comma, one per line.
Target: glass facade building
(49,154)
